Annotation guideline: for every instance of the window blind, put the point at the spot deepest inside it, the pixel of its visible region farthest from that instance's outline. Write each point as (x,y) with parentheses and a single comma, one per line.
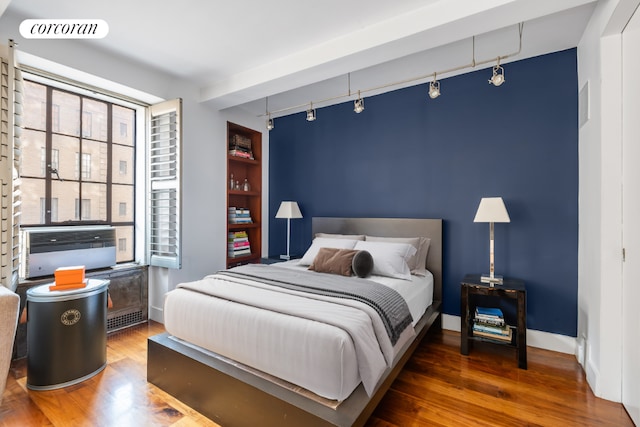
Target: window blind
(165,176)
(10,131)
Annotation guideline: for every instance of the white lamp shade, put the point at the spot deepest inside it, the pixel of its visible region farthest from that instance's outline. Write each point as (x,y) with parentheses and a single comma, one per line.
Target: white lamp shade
(492,209)
(289,210)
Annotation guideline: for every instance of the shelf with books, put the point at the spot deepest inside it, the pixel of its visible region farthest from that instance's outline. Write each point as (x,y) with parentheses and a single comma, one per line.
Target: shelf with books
(244,189)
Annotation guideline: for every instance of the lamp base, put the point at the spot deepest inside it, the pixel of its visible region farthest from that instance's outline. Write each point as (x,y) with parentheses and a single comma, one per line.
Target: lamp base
(285,257)
(495,280)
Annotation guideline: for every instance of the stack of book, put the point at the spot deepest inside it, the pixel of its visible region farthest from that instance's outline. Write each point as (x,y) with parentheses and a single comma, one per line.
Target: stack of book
(489,323)
(239,215)
(238,244)
(240,146)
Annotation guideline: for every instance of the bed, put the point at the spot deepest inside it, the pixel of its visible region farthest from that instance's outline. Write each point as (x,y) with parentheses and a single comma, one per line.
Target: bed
(331,387)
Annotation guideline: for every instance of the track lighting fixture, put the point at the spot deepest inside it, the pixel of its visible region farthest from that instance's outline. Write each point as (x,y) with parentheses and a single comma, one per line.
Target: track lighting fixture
(311,113)
(358,104)
(434,88)
(269,119)
(497,79)
(498,74)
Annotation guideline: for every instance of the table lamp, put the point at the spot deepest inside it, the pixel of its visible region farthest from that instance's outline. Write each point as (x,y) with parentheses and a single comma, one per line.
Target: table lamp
(288,210)
(491,210)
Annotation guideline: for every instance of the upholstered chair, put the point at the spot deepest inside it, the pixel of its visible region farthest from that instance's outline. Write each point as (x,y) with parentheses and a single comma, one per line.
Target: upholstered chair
(9,308)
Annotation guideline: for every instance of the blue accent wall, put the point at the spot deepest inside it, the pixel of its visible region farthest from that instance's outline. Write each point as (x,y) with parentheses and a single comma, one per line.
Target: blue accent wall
(410,156)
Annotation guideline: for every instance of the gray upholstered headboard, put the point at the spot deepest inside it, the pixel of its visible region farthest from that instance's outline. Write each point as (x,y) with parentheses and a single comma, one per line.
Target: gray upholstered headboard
(392,227)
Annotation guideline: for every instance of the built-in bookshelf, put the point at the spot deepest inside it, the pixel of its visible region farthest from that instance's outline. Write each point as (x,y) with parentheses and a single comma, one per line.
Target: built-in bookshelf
(244,195)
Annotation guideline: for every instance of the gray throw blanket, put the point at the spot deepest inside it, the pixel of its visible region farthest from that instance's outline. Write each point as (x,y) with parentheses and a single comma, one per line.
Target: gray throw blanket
(389,305)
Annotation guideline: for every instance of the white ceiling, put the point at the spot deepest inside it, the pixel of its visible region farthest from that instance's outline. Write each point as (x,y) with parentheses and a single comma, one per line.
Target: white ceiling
(238,52)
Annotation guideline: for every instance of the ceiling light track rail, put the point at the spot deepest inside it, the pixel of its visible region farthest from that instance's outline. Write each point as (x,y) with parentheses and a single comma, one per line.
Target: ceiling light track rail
(359,103)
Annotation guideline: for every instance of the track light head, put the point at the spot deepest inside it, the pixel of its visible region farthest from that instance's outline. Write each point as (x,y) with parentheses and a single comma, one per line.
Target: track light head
(311,113)
(358,104)
(498,75)
(270,124)
(434,89)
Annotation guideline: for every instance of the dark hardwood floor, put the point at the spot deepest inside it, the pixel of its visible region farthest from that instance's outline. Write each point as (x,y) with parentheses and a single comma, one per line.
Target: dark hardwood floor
(438,387)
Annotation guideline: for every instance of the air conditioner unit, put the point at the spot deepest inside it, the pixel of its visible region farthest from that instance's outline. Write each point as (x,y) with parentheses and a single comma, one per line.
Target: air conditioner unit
(45,249)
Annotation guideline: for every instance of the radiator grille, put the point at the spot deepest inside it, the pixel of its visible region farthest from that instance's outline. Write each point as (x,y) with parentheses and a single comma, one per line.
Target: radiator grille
(124,320)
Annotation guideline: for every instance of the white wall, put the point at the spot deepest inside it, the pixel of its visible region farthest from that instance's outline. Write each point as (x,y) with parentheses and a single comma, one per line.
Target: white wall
(600,199)
(204,149)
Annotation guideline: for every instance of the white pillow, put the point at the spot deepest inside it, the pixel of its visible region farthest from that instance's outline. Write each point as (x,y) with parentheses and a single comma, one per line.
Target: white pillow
(417,263)
(389,259)
(324,242)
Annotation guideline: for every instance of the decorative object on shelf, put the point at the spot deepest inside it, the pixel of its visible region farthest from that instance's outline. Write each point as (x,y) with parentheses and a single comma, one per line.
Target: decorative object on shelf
(491,210)
(289,210)
(246,186)
(232,183)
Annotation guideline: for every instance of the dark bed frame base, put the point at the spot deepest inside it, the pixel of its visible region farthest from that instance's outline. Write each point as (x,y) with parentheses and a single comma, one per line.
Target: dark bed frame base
(231,396)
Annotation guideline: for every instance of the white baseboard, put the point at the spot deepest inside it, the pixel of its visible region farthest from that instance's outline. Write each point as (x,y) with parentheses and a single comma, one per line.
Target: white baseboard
(539,339)
(156,314)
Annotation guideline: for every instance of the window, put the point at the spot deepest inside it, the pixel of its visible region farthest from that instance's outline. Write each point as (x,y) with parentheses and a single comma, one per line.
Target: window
(56,118)
(122,245)
(72,170)
(83,210)
(83,165)
(53,210)
(44,168)
(86,124)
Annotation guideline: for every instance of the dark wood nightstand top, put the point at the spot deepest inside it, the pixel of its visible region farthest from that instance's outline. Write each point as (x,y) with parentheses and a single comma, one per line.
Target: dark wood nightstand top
(507,285)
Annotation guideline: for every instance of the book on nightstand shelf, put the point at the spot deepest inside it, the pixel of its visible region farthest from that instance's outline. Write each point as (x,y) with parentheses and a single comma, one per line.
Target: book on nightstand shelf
(489,323)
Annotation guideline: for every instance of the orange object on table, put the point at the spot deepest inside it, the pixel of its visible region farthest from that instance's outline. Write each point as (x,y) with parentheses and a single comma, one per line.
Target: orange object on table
(67,276)
(67,287)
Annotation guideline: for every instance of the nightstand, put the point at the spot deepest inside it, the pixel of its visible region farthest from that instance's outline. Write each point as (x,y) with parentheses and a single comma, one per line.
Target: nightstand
(513,289)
